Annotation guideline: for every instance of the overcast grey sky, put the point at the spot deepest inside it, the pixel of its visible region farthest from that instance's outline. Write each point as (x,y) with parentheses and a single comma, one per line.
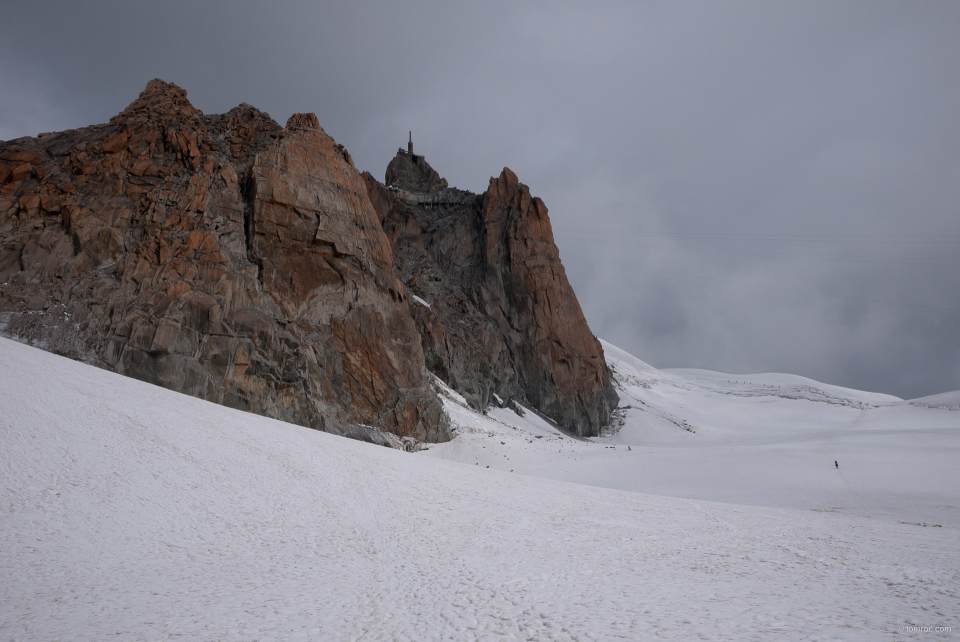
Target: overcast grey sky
(745,187)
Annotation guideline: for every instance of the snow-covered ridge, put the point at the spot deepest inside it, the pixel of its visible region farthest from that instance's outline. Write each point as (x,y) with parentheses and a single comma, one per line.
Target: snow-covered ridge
(784,386)
(634,372)
(949,400)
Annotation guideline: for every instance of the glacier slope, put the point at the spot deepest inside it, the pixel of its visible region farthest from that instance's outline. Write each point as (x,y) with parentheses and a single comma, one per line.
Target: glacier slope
(765,440)
(131,512)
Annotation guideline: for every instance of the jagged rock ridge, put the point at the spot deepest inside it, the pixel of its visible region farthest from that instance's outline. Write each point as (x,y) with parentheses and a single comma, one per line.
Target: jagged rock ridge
(503,324)
(229,258)
(221,256)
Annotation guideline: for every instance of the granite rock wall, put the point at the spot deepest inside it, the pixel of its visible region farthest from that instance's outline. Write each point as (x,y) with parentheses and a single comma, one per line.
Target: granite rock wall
(220,256)
(499,321)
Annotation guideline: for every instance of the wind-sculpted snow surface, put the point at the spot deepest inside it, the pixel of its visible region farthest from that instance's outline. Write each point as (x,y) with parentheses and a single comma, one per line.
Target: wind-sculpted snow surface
(131,512)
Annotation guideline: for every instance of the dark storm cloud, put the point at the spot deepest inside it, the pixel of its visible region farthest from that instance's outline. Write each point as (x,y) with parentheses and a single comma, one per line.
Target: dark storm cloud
(734,186)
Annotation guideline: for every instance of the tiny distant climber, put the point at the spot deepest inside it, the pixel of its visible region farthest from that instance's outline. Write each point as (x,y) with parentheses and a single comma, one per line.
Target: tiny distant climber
(837,465)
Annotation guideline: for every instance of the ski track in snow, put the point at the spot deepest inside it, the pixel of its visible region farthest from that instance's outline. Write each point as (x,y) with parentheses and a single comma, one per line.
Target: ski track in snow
(130,512)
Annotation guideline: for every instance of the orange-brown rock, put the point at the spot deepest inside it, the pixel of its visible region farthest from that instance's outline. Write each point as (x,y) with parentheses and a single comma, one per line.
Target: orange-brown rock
(502,322)
(561,362)
(221,256)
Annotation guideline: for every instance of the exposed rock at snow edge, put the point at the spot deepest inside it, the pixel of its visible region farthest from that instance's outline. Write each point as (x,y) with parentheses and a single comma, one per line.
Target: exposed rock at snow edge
(233,260)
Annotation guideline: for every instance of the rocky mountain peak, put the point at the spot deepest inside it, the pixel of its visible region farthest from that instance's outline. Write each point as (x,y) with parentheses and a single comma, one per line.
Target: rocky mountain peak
(304,121)
(411,172)
(160,98)
(230,259)
(505,184)
(500,323)
(220,256)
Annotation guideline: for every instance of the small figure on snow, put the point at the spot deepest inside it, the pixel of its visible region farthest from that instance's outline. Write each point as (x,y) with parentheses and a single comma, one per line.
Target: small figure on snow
(837,465)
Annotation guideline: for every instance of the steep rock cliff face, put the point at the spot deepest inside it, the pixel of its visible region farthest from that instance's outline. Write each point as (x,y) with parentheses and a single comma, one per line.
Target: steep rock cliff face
(498,317)
(220,256)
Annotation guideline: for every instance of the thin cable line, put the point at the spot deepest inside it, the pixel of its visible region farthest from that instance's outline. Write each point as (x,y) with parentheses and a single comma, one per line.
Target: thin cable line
(855,258)
(730,302)
(769,287)
(805,238)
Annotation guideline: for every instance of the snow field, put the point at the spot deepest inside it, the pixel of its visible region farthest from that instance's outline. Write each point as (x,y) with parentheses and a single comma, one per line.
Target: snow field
(765,440)
(130,512)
